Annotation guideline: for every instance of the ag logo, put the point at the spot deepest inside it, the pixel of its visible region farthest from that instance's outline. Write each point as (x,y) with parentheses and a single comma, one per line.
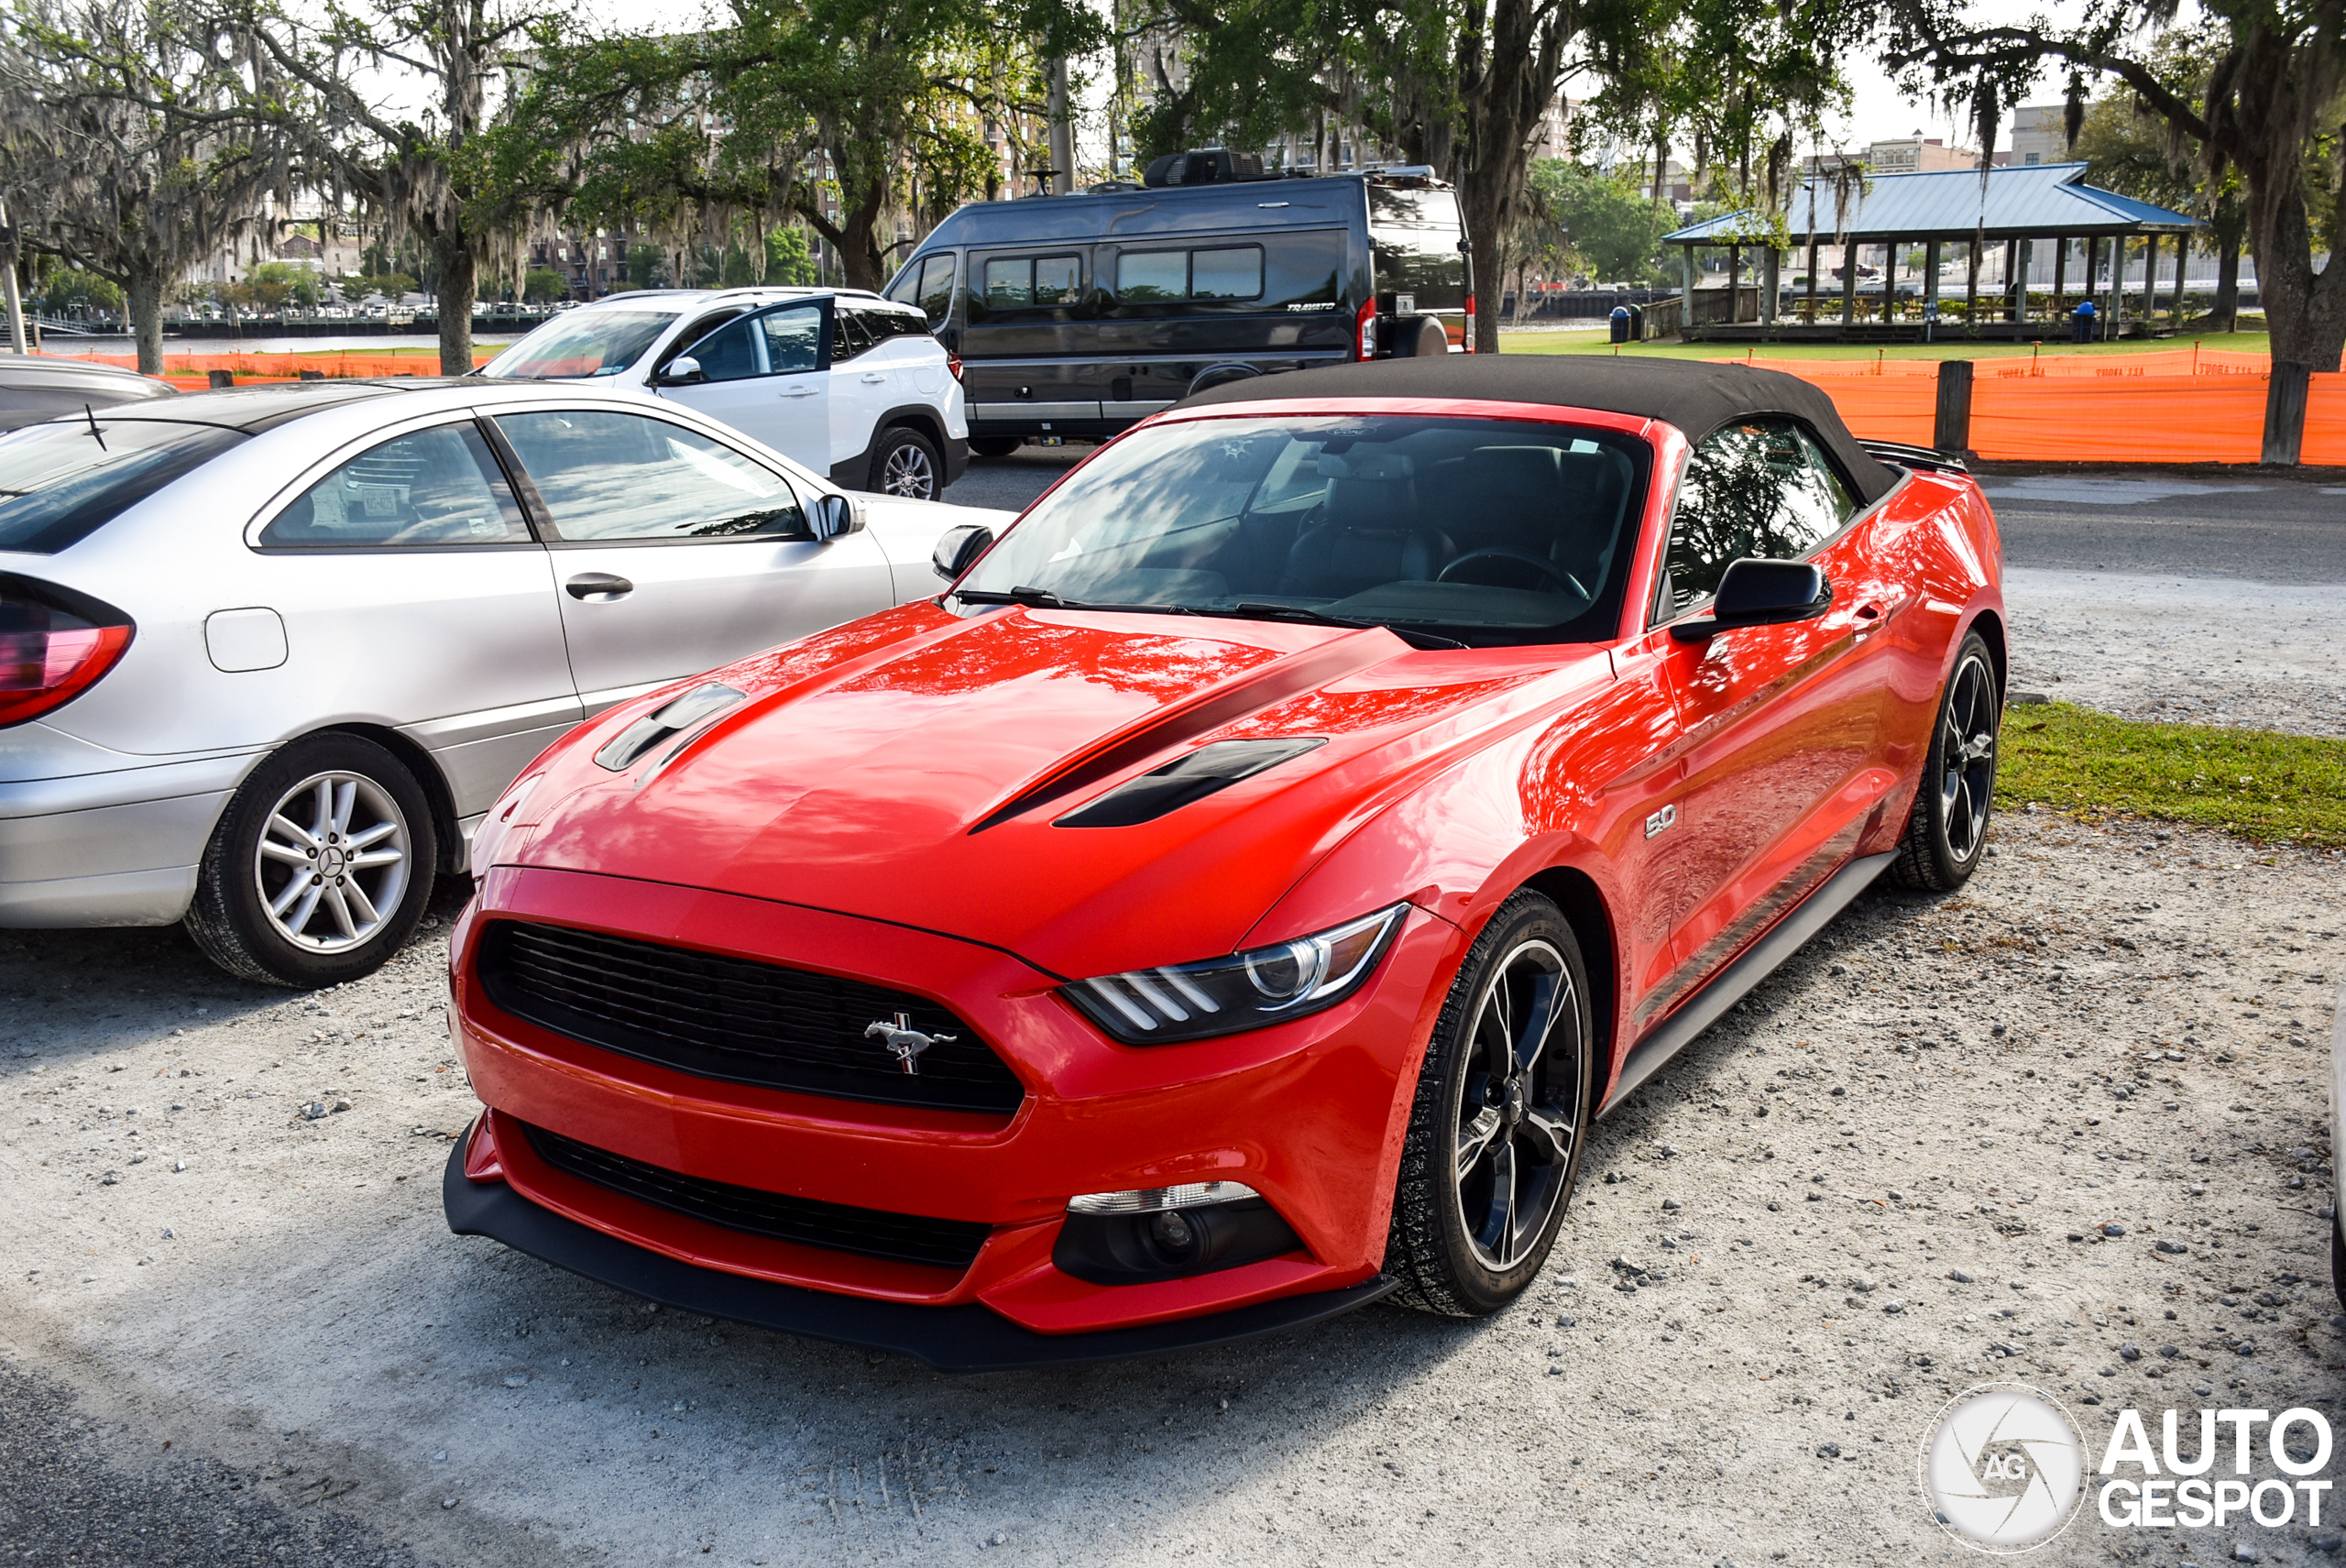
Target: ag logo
(2003,1468)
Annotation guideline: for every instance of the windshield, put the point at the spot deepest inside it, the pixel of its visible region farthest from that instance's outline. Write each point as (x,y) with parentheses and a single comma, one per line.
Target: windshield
(1486,531)
(580,344)
(62,482)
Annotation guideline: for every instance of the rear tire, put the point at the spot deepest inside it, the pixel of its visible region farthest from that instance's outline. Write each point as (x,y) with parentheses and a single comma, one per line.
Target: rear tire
(1500,1119)
(995,445)
(905,464)
(1946,831)
(320,869)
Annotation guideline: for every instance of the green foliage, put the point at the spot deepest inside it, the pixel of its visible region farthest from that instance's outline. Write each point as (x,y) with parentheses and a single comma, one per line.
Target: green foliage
(389,286)
(647,267)
(68,286)
(790,260)
(274,285)
(544,286)
(1615,229)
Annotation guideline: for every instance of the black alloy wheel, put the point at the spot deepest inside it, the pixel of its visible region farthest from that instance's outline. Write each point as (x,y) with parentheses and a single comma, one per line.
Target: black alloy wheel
(1948,829)
(1500,1119)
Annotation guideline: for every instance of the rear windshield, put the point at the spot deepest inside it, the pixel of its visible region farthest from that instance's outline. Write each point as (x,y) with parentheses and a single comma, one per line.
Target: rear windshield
(1415,236)
(582,344)
(62,482)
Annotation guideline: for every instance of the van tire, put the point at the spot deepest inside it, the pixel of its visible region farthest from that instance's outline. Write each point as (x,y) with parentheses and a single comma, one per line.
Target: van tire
(995,445)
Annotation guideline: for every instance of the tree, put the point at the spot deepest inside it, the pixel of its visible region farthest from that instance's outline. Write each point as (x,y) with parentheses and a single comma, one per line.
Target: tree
(841,114)
(68,288)
(121,148)
(1616,228)
(2268,108)
(647,267)
(318,82)
(2129,148)
(790,260)
(544,286)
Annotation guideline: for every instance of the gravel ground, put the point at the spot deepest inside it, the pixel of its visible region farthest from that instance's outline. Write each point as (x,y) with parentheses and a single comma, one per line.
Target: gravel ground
(2198,650)
(1855,1196)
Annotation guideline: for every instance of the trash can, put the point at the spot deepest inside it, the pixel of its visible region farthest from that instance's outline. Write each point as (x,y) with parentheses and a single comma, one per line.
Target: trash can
(1637,324)
(2081,322)
(1620,324)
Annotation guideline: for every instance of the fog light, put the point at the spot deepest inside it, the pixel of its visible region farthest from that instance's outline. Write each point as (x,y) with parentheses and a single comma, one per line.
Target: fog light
(1149,1200)
(1172,1233)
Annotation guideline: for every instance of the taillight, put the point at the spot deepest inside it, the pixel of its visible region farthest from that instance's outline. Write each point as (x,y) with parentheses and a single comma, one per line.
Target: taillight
(54,644)
(953,363)
(1365,324)
(1470,323)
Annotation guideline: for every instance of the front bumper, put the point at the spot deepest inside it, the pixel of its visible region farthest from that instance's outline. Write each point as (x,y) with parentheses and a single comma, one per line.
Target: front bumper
(967,1338)
(1309,1114)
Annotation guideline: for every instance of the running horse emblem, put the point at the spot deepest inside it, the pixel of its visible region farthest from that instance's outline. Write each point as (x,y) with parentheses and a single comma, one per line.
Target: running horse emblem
(905,1041)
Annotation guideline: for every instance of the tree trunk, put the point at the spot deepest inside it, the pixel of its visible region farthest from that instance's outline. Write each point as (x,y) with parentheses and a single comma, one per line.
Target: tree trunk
(145,288)
(458,271)
(2304,312)
(2225,317)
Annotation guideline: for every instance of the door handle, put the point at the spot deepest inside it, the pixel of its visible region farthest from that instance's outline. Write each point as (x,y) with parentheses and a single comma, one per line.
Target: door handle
(872,377)
(798,391)
(598,587)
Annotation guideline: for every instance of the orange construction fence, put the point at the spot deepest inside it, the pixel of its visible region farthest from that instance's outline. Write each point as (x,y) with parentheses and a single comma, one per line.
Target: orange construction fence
(190,370)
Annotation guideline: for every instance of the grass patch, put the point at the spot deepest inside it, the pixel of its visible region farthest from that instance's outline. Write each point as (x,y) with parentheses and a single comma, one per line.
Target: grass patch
(1598,340)
(2254,783)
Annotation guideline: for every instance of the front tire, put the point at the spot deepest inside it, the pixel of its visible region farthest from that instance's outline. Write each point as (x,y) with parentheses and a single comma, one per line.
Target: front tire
(1500,1119)
(320,868)
(905,464)
(1947,830)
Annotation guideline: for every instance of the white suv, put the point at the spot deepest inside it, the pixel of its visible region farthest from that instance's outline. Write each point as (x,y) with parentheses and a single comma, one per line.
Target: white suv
(848,383)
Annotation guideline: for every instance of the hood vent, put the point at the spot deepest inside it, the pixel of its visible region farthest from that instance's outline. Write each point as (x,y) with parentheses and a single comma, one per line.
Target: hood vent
(672,717)
(1186,779)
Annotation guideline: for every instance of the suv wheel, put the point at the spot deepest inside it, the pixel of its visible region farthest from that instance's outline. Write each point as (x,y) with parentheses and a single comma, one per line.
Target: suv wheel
(905,464)
(320,866)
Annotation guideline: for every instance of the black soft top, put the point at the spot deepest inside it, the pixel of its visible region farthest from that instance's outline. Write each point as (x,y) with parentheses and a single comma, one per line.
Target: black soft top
(1697,398)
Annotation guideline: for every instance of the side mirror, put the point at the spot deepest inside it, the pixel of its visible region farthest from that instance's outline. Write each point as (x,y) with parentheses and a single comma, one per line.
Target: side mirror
(680,371)
(831,516)
(1757,592)
(958,549)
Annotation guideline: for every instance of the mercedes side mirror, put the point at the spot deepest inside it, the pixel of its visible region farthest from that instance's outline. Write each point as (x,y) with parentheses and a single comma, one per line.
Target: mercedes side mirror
(833,515)
(958,549)
(682,370)
(1757,592)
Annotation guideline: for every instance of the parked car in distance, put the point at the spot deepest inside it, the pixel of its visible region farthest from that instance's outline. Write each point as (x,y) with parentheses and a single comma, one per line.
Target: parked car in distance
(265,655)
(1081,315)
(1234,901)
(35,387)
(845,383)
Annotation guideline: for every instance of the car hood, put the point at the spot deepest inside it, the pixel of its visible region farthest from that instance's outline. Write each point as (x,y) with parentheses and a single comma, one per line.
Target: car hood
(911,767)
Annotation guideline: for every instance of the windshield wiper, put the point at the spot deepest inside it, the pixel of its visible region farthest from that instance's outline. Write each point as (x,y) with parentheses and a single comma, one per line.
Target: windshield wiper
(1043,598)
(1414,638)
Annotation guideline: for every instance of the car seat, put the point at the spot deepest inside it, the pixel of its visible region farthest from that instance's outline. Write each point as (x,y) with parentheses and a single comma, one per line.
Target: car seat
(1371,530)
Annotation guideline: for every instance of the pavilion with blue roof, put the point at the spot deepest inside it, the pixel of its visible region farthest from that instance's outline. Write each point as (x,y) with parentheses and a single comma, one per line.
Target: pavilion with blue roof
(2023,211)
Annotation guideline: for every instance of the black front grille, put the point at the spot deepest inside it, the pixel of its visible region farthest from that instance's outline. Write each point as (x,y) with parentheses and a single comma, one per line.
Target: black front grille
(874,1233)
(739,1021)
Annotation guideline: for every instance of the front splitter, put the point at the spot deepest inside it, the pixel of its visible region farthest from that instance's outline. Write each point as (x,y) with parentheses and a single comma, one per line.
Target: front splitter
(968,1338)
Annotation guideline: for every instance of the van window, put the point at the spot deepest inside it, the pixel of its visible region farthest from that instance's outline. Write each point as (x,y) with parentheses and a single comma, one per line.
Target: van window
(928,284)
(1415,236)
(1057,279)
(1232,274)
(1152,277)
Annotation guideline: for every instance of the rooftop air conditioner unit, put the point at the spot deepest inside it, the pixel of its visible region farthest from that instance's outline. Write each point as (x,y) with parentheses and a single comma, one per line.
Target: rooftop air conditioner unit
(1206,165)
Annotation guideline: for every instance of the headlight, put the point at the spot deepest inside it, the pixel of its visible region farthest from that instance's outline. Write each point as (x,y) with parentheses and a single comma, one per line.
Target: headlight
(1245,990)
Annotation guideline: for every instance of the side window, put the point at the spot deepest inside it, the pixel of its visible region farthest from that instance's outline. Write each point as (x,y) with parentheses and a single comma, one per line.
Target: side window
(1755,487)
(886,325)
(1023,282)
(729,353)
(1058,280)
(1152,277)
(1010,284)
(794,338)
(935,297)
(610,476)
(1304,269)
(853,335)
(1234,273)
(435,488)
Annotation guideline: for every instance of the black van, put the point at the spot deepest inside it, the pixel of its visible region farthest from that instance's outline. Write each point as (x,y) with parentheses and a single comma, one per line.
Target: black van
(1081,315)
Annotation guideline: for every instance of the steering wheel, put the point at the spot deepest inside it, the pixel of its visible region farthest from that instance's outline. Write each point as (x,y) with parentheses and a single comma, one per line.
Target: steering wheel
(1547,569)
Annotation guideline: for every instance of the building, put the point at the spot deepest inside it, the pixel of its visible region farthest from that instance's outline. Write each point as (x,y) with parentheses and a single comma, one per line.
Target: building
(2040,135)
(1917,154)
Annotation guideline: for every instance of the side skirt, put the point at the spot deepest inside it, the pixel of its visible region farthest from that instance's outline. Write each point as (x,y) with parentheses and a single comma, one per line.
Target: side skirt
(1703,1009)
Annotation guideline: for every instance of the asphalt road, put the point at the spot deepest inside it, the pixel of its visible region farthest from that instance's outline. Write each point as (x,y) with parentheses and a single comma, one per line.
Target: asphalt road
(2258,528)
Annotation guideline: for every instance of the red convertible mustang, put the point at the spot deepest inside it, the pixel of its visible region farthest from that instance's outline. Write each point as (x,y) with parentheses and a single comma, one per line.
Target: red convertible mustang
(1234,898)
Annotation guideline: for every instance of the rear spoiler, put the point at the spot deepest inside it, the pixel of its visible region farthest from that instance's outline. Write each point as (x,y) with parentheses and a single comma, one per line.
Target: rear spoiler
(1907,456)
